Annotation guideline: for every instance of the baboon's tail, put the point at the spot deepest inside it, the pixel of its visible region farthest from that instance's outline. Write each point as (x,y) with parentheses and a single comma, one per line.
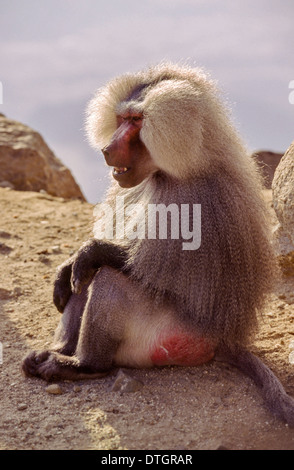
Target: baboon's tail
(274,394)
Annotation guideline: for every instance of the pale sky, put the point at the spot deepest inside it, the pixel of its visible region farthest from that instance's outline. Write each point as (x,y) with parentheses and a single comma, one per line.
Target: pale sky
(54,55)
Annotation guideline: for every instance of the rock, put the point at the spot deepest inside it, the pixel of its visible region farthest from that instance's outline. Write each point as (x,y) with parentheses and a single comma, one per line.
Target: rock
(5,249)
(283,203)
(268,162)
(22,406)
(28,164)
(5,294)
(54,389)
(6,184)
(56,249)
(125,383)
(44,259)
(4,234)
(17,291)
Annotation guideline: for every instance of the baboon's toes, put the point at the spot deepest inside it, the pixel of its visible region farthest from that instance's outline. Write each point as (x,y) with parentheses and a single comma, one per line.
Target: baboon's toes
(32,361)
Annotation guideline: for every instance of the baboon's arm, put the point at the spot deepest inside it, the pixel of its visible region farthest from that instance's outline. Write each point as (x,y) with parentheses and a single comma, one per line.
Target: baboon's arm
(80,268)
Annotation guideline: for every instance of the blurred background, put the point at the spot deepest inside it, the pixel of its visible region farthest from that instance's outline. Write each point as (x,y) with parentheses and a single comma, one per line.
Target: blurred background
(54,55)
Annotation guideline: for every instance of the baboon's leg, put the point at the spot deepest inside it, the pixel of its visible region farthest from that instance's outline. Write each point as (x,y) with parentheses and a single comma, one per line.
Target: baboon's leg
(66,335)
(68,330)
(101,332)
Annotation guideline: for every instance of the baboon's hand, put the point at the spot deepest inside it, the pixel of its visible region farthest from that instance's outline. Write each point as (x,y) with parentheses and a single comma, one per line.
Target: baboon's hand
(82,273)
(81,268)
(74,273)
(90,257)
(85,265)
(62,288)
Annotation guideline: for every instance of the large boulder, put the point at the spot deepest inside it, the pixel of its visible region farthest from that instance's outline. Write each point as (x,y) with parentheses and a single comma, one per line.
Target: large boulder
(28,164)
(283,202)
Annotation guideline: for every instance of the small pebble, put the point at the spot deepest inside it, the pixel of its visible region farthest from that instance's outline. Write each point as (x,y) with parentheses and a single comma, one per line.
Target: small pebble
(44,259)
(7,185)
(22,406)
(125,383)
(17,291)
(4,234)
(5,249)
(54,389)
(56,249)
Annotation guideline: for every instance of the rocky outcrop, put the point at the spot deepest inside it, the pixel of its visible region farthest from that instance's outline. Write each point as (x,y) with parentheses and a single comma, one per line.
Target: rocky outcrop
(283,202)
(268,162)
(28,164)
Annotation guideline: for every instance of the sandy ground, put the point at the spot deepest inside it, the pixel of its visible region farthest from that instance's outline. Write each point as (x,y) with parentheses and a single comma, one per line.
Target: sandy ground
(208,407)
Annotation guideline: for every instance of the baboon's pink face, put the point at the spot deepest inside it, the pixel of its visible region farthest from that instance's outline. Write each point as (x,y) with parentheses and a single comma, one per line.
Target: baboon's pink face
(126,152)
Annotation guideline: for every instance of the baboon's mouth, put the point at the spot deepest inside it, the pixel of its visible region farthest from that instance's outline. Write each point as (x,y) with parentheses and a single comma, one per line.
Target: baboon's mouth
(120,170)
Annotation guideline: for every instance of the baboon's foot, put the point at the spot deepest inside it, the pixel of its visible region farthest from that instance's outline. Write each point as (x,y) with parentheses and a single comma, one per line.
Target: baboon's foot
(32,362)
(50,365)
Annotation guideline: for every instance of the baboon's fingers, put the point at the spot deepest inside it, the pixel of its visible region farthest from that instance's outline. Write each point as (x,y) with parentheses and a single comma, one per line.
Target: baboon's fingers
(62,287)
(82,273)
(61,295)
